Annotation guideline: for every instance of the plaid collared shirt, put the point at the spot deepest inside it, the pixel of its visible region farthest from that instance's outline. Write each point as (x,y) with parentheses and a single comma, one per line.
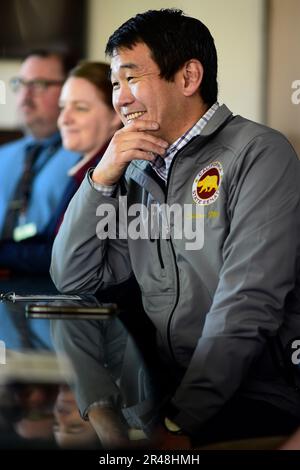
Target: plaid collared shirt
(162,164)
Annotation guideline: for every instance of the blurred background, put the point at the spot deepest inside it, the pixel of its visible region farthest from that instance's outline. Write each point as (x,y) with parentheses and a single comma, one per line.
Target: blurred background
(257,42)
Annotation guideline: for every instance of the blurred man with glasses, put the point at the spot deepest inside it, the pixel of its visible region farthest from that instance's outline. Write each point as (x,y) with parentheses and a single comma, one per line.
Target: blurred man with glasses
(37,90)
(33,179)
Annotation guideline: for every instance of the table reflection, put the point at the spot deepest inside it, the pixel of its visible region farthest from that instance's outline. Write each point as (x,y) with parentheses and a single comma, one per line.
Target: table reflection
(37,407)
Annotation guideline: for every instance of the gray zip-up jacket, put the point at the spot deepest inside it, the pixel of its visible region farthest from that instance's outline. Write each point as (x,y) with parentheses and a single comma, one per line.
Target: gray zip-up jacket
(221,301)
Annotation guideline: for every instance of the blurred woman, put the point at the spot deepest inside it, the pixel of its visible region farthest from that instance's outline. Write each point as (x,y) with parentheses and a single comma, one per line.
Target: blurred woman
(87,120)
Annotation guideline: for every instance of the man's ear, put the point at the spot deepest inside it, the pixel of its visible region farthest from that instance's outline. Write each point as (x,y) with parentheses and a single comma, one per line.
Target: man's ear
(192,74)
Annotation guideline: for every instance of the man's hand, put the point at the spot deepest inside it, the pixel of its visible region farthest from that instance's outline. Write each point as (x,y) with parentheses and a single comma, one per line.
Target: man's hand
(133,142)
(164,440)
(292,443)
(109,427)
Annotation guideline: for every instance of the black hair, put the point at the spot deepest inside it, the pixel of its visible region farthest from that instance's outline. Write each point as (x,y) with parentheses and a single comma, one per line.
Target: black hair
(68,61)
(173,39)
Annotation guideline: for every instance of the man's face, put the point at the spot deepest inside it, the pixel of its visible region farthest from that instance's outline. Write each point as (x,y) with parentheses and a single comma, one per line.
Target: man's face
(39,108)
(140,93)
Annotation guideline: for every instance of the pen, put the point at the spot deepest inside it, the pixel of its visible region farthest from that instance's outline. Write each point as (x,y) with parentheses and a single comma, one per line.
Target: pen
(13,297)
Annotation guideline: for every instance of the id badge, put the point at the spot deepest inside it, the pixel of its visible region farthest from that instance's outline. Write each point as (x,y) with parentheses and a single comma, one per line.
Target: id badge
(24,231)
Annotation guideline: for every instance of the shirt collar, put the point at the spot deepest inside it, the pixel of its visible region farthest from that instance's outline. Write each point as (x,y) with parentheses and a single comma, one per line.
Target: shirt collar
(162,164)
(52,140)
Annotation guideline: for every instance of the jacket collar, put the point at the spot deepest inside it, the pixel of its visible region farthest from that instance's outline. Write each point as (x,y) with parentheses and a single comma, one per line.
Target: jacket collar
(141,172)
(217,120)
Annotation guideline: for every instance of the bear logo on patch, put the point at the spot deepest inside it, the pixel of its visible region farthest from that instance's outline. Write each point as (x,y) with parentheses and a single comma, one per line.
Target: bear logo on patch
(207,183)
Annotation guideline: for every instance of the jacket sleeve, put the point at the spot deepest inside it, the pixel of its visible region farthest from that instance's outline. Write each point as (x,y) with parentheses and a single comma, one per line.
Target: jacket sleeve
(83,260)
(259,271)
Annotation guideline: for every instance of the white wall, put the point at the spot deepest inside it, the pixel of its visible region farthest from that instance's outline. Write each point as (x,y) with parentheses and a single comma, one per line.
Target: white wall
(238,29)
(8,113)
(284,69)
(236,25)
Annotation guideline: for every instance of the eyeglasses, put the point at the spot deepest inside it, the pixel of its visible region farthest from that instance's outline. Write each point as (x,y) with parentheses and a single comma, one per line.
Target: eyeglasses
(37,86)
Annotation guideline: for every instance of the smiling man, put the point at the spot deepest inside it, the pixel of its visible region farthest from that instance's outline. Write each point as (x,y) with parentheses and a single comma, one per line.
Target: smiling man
(224,312)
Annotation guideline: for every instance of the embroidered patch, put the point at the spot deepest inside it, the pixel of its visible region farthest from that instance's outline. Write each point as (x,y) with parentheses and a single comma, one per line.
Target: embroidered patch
(207,183)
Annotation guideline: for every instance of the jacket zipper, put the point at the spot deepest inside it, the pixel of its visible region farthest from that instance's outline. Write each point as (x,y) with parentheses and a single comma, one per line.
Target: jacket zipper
(159,253)
(176,303)
(176,270)
(162,265)
(170,239)
(173,252)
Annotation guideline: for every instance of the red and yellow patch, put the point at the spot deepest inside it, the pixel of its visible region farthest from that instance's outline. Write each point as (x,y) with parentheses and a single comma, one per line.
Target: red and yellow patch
(207,183)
